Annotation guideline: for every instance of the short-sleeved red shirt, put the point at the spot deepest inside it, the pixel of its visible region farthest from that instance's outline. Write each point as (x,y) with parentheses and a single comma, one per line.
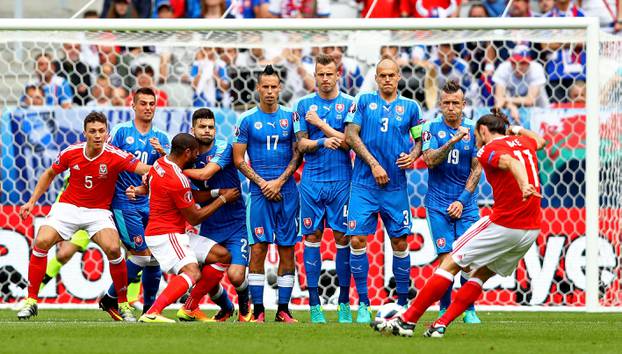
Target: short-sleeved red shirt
(509,209)
(169,191)
(92,180)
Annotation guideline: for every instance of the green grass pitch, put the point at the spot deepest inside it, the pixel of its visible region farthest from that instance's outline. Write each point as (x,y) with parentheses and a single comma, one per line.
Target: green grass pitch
(90,331)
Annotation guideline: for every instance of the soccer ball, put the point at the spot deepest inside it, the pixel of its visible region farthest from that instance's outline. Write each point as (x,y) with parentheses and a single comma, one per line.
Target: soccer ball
(388,311)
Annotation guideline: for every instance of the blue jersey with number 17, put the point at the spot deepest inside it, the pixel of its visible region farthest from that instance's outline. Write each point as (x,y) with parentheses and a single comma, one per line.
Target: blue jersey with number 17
(324,165)
(126,137)
(385,131)
(268,138)
(447,180)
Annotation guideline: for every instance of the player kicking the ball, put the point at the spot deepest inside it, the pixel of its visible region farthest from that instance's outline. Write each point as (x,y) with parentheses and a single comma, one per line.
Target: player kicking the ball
(85,204)
(495,243)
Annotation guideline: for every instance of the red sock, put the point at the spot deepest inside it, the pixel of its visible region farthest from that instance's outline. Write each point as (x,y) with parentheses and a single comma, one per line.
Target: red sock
(211,275)
(432,291)
(178,286)
(470,291)
(118,272)
(36,271)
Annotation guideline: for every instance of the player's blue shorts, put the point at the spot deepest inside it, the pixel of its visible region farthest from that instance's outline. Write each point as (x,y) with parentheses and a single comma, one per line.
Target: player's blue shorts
(366,203)
(274,222)
(322,202)
(234,238)
(445,230)
(131,226)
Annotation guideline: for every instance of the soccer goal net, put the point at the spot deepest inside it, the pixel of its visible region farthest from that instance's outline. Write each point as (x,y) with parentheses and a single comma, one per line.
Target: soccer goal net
(53,72)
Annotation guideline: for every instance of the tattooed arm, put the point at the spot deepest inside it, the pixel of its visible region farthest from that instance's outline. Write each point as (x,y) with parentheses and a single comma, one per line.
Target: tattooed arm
(306,145)
(239,150)
(354,140)
(433,157)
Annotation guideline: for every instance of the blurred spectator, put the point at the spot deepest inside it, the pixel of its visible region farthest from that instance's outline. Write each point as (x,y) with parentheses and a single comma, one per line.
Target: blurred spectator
(111,72)
(544,6)
(101,92)
(89,54)
(164,10)
(299,79)
(210,80)
(479,10)
(612,90)
(393,52)
(299,8)
(33,96)
(519,82)
(172,8)
(119,96)
(383,9)
(76,72)
(253,57)
(350,71)
(577,94)
(520,8)
(451,68)
(252,8)
(228,55)
(565,8)
(145,78)
(494,8)
(56,90)
(566,66)
(121,9)
(430,8)
(134,8)
(481,57)
(609,13)
(213,8)
(127,61)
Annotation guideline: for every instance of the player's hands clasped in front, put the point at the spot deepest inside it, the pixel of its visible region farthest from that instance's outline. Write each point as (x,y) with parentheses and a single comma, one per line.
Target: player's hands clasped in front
(132,192)
(455,210)
(155,143)
(462,132)
(529,190)
(272,190)
(26,209)
(230,194)
(332,143)
(381,176)
(405,161)
(312,118)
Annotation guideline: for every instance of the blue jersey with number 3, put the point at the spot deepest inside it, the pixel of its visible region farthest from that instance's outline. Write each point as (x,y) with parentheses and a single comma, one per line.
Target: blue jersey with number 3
(447,180)
(385,131)
(126,137)
(268,138)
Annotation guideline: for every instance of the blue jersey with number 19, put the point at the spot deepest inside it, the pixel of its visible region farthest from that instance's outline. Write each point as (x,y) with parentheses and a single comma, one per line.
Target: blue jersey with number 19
(268,138)
(126,137)
(385,131)
(325,164)
(447,180)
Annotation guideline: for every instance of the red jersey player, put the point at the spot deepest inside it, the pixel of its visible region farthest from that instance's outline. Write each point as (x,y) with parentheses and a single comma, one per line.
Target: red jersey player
(495,243)
(84,205)
(172,205)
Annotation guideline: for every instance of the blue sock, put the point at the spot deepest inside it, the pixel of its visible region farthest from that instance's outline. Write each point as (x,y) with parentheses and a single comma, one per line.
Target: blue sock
(359,265)
(221,298)
(401,272)
(286,285)
(132,276)
(313,266)
(255,286)
(445,301)
(151,283)
(342,265)
(463,280)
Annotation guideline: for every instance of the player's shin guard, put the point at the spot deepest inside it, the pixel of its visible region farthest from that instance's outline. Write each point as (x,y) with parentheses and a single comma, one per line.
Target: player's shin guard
(401,272)
(359,266)
(152,274)
(118,273)
(431,292)
(313,266)
(177,286)
(36,271)
(211,275)
(132,276)
(342,266)
(465,297)
(285,283)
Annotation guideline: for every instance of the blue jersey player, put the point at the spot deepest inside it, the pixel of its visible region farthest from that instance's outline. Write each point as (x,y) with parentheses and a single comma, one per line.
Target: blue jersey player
(214,170)
(325,183)
(148,144)
(379,130)
(266,133)
(451,155)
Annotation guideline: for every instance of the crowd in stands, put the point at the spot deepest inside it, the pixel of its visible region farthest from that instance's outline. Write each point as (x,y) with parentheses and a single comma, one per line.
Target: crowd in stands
(503,74)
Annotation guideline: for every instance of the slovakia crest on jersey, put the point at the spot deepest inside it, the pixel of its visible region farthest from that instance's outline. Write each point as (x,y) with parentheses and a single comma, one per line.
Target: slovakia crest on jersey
(103,169)
(138,240)
(339,107)
(284,123)
(352,224)
(307,222)
(440,243)
(399,109)
(259,231)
